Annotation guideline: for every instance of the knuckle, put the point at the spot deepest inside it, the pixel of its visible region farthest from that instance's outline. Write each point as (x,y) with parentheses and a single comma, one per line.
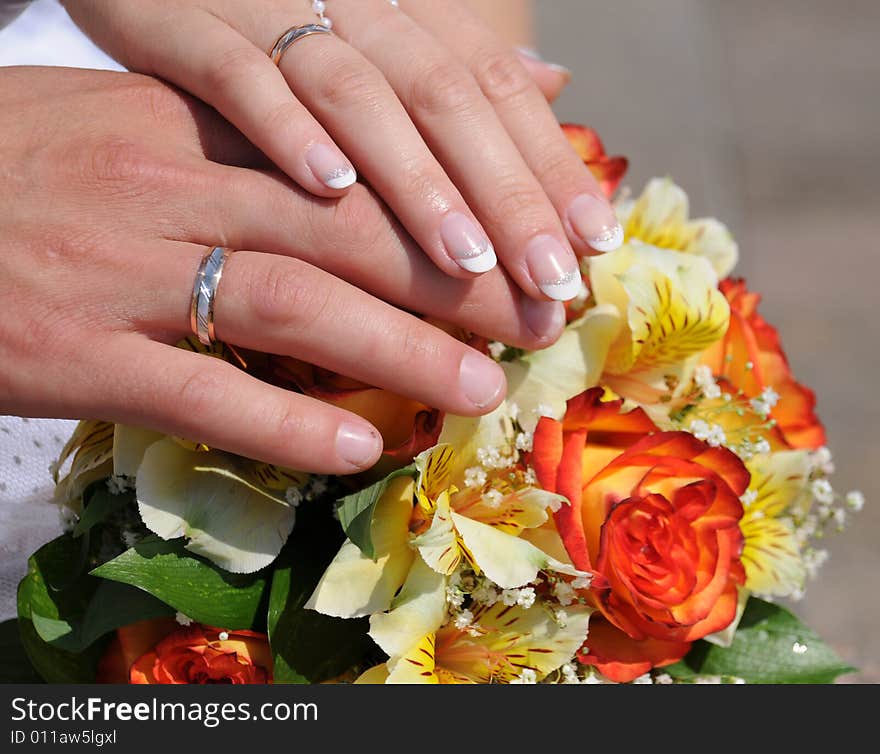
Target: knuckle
(234,68)
(414,346)
(200,392)
(115,161)
(357,224)
(287,294)
(514,199)
(442,88)
(348,83)
(502,77)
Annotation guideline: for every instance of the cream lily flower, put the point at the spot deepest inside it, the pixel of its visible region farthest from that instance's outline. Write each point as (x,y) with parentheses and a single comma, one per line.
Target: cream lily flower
(772,555)
(660,217)
(502,644)
(672,311)
(232,510)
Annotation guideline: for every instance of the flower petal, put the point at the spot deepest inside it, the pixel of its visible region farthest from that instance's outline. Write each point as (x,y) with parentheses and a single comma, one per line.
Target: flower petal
(417,611)
(201,495)
(354,585)
(541,382)
(508,561)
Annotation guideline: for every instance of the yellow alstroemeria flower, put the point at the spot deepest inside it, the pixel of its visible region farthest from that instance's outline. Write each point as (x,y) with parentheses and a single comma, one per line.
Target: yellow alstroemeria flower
(671,309)
(437,520)
(772,556)
(503,644)
(660,217)
(90,451)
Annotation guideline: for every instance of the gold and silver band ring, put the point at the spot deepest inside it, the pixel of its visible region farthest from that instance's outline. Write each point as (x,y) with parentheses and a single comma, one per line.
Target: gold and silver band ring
(201,313)
(294,34)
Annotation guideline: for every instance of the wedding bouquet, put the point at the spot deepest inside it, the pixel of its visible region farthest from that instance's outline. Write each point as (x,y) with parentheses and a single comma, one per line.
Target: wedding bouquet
(652,484)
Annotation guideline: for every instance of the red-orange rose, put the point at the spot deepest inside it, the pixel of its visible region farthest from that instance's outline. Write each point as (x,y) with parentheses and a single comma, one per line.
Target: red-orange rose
(161,651)
(750,358)
(656,516)
(586,142)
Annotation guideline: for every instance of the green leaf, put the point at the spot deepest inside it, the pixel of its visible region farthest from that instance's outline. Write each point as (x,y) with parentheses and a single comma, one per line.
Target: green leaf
(309,647)
(99,506)
(768,648)
(112,606)
(356,511)
(15,667)
(190,584)
(55,594)
(75,614)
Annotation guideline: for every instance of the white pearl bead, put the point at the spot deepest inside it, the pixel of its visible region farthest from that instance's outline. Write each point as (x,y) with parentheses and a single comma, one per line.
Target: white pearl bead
(319,6)
(327,22)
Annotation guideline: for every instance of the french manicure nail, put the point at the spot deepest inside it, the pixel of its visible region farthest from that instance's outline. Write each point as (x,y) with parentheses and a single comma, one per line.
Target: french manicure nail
(533,54)
(554,268)
(330,167)
(466,243)
(544,318)
(357,444)
(480,378)
(592,218)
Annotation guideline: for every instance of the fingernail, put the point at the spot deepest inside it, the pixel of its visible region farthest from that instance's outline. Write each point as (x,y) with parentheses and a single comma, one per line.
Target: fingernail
(533,54)
(330,167)
(358,444)
(544,318)
(592,218)
(481,379)
(554,268)
(466,243)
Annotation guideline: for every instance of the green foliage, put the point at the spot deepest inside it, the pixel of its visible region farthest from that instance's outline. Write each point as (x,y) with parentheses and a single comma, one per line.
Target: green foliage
(15,667)
(771,645)
(356,511)
(194,586)
(309,647)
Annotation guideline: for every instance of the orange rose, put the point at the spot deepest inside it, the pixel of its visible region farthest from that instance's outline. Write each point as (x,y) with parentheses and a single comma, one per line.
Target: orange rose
(586,142)
(161,651)
(407,426)
(750,358)
(655,515)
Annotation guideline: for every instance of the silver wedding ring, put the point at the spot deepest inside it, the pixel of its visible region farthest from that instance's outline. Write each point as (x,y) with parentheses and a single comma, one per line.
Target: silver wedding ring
(201,313)
(294,34)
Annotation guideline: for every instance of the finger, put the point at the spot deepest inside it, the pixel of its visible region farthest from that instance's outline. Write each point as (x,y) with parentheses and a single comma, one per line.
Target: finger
(355,238)
(587,214)
(212,60)
(275,304)
(190,395)
(357,106)
(464,132)
(550,78)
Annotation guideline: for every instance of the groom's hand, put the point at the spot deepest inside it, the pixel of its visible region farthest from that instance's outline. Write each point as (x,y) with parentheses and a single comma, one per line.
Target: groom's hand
(115,185)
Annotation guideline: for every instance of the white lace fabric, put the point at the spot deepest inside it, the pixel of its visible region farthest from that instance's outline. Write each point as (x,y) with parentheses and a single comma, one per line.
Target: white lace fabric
(28,517)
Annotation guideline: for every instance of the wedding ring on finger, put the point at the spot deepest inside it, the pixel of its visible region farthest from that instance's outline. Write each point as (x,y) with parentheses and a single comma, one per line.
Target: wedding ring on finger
(201,314)
(294,34)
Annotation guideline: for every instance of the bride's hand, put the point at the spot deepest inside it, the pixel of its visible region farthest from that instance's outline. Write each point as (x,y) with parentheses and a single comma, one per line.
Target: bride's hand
(438,114)
(113,188)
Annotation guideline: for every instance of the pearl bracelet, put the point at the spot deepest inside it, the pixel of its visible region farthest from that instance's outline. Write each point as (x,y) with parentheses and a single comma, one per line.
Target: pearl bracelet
(319,7)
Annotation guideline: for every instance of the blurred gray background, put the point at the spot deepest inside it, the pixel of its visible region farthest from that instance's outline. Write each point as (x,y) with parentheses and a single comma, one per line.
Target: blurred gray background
(768,114)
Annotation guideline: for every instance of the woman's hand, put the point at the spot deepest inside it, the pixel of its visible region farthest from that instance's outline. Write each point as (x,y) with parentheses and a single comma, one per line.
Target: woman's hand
(112,189)
(438,114)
